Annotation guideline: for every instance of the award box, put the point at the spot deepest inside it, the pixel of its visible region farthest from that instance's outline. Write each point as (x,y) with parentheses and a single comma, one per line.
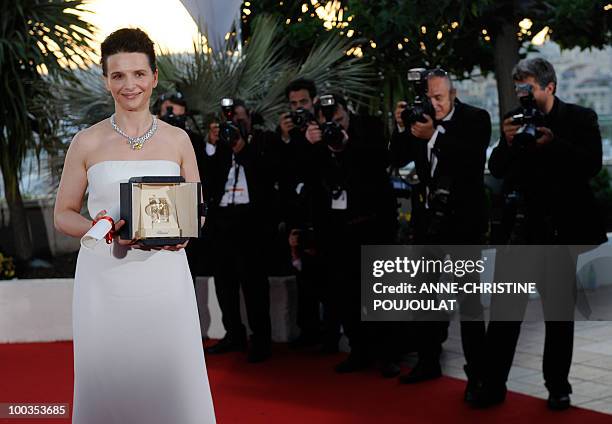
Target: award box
(160,211)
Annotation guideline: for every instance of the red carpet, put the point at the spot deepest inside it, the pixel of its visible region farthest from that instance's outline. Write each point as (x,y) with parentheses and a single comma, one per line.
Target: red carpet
(290,388)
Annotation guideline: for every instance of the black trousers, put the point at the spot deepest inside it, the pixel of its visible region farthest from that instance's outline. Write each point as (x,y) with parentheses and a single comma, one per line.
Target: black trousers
(238,238)
(501,340)
(312,283)
(429,335)
(342,298)
(554,268)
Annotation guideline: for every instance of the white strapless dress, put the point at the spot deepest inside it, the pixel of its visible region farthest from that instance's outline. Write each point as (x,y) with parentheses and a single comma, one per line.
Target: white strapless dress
(138,356)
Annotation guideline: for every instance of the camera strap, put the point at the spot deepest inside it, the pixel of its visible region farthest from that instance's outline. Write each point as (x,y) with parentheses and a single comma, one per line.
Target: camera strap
(236,167)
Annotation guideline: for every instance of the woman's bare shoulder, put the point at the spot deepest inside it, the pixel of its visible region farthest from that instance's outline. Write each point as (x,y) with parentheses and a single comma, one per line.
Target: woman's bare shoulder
(172,133)
(89,138)
(175,140)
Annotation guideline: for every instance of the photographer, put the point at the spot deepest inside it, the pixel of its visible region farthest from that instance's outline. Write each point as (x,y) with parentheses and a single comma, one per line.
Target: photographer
(239,193)
(352,205)
(293,188)
(548,152)
(172,108)
(447,141)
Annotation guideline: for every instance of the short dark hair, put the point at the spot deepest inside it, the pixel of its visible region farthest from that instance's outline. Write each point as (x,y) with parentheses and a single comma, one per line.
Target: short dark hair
(241,103)
(540,69)
(128,40)
(302,84)
(175,97)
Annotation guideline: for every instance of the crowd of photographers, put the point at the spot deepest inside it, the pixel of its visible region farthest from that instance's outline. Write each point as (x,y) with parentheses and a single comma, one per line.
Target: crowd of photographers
(318,188)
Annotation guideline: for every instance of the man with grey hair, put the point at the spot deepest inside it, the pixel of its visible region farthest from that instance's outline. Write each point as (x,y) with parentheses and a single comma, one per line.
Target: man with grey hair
(547,154)
(448,147)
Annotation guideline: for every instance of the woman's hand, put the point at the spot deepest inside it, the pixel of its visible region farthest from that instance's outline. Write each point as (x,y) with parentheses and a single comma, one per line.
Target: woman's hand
(116,229)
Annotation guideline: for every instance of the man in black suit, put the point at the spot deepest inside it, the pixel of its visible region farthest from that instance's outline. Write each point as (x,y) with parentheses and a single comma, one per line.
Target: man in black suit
(352,204)
(172,108)
(551,176)
(291,147)
(239,191)
(449,151)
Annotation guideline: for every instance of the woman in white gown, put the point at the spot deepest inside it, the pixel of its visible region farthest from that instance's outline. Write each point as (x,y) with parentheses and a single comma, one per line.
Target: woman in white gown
(138,354)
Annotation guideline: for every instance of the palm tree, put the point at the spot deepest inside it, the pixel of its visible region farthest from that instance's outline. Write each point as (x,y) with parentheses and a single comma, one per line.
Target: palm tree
(39,40)
(259,72)
(256,73)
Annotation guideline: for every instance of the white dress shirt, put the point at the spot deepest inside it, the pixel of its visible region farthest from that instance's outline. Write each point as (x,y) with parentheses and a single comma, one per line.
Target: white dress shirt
(236,192)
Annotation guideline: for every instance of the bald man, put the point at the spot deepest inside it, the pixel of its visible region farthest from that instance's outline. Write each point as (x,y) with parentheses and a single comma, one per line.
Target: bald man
(448,147)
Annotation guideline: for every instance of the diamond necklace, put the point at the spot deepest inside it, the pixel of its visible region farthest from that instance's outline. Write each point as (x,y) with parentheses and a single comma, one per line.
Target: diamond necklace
(135,143)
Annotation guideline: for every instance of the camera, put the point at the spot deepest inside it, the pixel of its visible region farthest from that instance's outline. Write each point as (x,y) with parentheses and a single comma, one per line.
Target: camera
(421,105)
(439,201)
(301,118)
(172,119)
(229,133)
(529,119)
(331,131)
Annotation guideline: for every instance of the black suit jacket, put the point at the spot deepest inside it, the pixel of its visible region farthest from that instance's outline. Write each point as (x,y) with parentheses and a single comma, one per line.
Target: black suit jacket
(291,178)
(554,178)
(361,170)
(461,154)
(259,166)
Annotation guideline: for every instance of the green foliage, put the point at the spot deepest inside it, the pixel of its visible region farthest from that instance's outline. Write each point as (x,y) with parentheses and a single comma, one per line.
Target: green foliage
(38,40)
(258,74)
(581,23)
(88,101)
(459,48)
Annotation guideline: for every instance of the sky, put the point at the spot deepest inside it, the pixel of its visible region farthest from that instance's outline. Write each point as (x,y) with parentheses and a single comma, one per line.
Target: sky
(166,21)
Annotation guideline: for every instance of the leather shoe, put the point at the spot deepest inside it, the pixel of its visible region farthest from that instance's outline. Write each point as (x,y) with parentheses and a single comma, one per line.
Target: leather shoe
(226,345)
(474,382)
(558,402)
(486,396)
(352,363)
(422,372)
(389,369)
(471,389)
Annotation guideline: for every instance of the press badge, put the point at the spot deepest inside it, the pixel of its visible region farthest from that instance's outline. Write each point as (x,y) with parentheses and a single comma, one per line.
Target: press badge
(339,203)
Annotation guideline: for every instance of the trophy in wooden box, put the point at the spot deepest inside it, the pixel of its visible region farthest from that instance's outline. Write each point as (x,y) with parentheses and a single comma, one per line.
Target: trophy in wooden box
(160,210)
